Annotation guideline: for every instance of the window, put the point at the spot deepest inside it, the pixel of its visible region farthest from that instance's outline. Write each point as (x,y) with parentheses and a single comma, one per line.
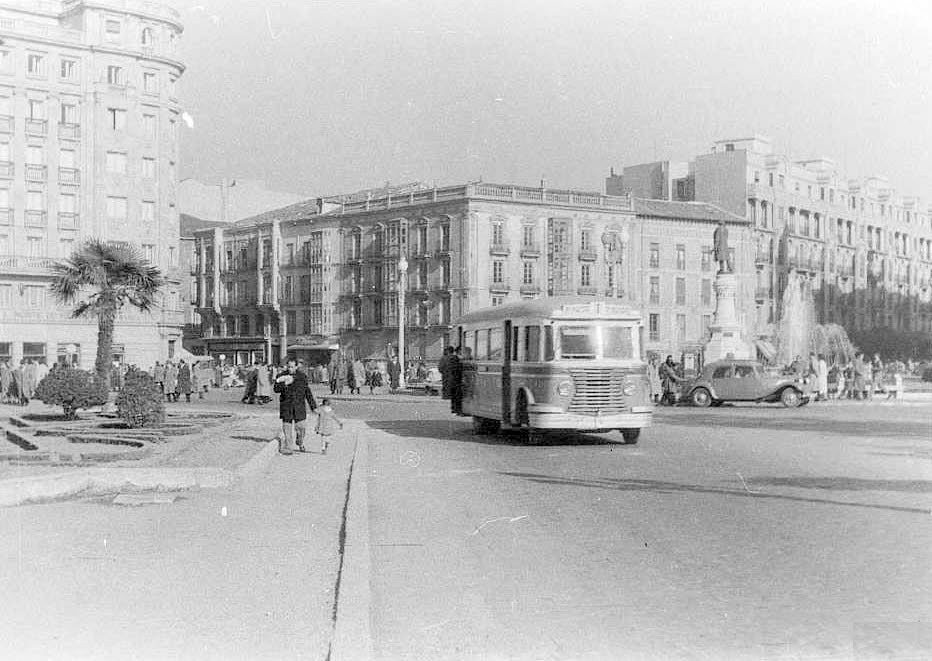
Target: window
(527,273)
(681,326)
(497,300)
(148,123)
(706,292)
(445,237)
(244,325)
(35,200)
(35,155)
(116,208)
(706,324)
(585,275)
(148,167)
(34,297)
(69,69)
(116,118)
(4,204)
(681,291)
(148,211)
(585,240)
(35,246)
(654,290)
(532,344)
(498,233)
(35,64)
(6,61)
(6,302)
(112,29)
(654,256)
(148,37)
(498,272)
(653,327)
(706,258)
(445,273)
(148,251)
(69,113)
(495,344)
(66,158)
(116,75)
(527,236)
(36,109)
(150,83)
(680,257)
(68,203)
(116,162)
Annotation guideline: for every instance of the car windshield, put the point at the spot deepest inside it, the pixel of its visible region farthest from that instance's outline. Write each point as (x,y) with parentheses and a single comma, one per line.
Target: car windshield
(591,342)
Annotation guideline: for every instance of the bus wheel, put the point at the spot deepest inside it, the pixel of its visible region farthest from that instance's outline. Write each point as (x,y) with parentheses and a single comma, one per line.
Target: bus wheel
(483,426)
(630,435)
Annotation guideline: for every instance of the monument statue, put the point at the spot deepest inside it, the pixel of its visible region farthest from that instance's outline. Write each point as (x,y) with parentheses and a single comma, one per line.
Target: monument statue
(722,254)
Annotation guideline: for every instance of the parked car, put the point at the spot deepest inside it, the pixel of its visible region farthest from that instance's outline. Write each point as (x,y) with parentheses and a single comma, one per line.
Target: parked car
(746,381)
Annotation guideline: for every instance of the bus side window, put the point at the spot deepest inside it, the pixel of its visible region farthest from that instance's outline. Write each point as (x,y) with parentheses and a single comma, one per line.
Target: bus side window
(495,344)
(468,342)
(482,345)
(548,342)
(515,342)
(532,344)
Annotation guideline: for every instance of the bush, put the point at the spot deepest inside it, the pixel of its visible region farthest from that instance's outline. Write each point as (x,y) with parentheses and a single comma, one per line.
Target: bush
(72,389)
(140,403)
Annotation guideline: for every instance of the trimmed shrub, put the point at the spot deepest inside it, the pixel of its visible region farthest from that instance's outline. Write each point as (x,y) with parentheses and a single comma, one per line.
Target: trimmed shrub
(72,389)
(140,403)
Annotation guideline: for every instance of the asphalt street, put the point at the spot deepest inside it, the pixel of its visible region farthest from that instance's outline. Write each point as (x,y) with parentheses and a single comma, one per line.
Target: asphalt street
(738,533)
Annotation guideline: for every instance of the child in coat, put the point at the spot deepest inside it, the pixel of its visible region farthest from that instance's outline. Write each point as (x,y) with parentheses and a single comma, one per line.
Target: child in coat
(327,422)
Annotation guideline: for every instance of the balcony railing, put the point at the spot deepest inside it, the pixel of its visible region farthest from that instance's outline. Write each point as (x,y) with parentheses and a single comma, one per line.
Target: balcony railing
(763,257)
(502,285)
(6,124)
(68,220)
(20,264)
(6,169)
(530,250)
(499,249)
(588,255)
(69,176)
(6,216)
(35,218)
(530,288)
(38,127)
(35,172)
(587,290)
(69,131)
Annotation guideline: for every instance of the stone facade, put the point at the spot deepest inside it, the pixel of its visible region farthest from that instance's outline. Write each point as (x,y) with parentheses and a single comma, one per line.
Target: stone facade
(89,122)
(323,275)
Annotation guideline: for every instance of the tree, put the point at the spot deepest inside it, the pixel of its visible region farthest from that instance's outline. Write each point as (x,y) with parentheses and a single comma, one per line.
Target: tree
(72,389)
(103,277)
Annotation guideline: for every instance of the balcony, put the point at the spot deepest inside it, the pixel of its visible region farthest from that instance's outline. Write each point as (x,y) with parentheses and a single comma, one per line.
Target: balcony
(19,265)
(530,288)
(35,218)
(36,172)
(499,249)
(588,255)
(528,250)
(6,169)
(69,131)
(69,176)
(502,286)
(587,290)
(6,124)
(6,216)
(68,220)
(39,127)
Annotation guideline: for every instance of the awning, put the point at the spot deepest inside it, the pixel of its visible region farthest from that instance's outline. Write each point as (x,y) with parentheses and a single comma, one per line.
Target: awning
(766,349)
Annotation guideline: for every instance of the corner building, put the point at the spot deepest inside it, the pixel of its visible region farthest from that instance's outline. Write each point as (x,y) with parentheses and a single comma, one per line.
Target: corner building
(89,121)
(323,275)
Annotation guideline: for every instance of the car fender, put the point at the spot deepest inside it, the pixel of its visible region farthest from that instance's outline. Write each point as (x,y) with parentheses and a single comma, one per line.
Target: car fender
(702,384)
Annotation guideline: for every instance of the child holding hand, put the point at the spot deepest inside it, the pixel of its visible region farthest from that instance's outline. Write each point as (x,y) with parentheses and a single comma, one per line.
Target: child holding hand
(327,422)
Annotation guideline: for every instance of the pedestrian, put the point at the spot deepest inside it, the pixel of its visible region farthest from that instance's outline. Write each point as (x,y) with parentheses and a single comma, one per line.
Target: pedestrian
(171,381)
(251,379)
(342,373)
(29,379)
(655,388)
(669,380)
(822,377)
(197,379)
(373,378)
(456,382)
(6,381)
(445,376)
(394,375)
(876,369)
(294,391)
(22,397)
(183,386)
(327,422)
(332,371)
(359,375)
(860,377)
(263,383)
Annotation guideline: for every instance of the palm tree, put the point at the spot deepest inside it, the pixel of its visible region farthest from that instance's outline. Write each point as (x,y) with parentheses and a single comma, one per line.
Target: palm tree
(111,274)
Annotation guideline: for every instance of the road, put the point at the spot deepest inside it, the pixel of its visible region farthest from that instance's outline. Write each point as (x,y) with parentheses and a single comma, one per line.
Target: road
(737,533)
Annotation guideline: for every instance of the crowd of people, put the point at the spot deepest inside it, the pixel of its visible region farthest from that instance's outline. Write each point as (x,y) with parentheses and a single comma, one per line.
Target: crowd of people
(18,383)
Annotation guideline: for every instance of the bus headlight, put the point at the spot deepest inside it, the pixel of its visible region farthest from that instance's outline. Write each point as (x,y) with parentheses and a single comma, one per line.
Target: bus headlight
(565,389)
(628,389)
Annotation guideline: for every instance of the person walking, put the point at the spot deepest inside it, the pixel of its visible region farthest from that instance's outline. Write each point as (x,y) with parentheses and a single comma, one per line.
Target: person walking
(342,373)
(394,375)
(655,388)
(359,375)
(294,392)
(171,381)
(445,377)
(263,383)
(822,377)
(456,382)
(327,422)
(21,397)
(373,378)
(669,380)
(876,368)
(184,385)
(158,375)
(6,381)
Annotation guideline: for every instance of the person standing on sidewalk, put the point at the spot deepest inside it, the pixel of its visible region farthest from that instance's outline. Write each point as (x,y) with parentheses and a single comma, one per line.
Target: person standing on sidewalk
(327,422)
(294,391)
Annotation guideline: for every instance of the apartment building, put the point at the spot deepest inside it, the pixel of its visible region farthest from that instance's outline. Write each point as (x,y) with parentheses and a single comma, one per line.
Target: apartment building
(866,250)
(89,121)
(326,274)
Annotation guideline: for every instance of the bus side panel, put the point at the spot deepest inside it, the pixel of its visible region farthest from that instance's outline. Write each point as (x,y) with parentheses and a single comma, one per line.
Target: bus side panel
(483,396)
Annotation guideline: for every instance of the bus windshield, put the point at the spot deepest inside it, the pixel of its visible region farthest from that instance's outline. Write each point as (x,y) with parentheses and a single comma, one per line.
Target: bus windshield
(596,341)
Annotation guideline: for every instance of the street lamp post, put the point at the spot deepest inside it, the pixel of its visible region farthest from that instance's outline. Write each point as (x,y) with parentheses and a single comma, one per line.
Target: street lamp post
(402,284)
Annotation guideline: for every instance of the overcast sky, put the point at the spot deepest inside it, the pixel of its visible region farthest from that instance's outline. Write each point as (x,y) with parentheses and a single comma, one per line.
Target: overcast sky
(322,96)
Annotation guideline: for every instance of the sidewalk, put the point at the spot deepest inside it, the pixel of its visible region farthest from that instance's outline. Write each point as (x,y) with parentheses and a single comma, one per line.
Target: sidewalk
(241,572)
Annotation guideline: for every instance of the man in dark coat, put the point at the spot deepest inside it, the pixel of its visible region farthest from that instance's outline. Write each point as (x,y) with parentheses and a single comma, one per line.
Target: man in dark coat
(456,382)
(394,375)
(294,391)
(446,377)
(669,380)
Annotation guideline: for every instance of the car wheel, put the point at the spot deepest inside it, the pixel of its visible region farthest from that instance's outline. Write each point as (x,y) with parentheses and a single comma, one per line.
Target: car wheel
(630,436)
(789,397)
(701,397)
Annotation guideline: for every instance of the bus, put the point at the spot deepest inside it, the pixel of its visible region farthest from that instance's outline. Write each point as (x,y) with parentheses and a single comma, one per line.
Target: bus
(555,364)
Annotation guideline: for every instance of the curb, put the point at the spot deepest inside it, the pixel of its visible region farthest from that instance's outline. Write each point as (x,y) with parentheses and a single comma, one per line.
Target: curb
(38,488)
(258,462)
(352,635)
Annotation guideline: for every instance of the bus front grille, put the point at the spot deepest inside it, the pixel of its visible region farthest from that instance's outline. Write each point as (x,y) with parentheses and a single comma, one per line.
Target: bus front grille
(597,390)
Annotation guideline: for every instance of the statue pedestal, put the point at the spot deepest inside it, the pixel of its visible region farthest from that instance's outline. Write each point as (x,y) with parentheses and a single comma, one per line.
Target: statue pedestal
(727,338)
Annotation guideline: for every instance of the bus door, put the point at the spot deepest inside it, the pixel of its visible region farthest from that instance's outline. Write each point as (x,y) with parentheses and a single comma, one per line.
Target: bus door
(508,356)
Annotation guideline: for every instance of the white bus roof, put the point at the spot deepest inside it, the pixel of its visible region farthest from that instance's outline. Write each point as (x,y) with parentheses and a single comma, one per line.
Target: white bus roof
(557,307)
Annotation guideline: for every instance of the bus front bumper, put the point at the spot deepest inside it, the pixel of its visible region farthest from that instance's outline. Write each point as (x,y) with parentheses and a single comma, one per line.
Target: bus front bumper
(552,417)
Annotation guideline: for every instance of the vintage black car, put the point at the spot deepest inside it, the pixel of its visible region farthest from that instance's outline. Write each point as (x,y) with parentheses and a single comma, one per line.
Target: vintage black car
(745,381)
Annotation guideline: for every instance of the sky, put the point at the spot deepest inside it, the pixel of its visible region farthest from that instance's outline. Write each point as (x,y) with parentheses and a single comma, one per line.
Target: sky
(321,97)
